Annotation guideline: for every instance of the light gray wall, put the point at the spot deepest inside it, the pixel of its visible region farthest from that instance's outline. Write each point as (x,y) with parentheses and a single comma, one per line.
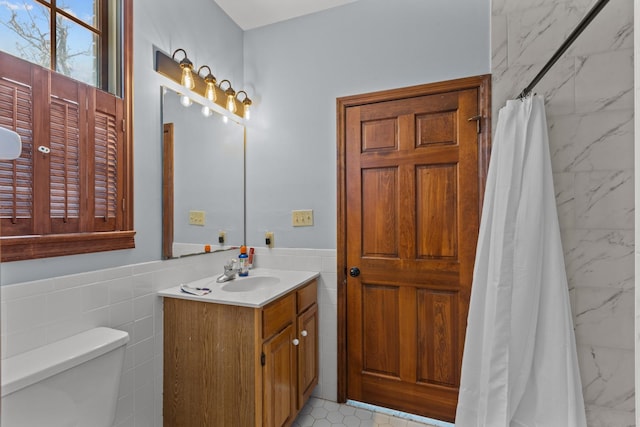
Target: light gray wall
(636,145)
(209,37)
(296,70)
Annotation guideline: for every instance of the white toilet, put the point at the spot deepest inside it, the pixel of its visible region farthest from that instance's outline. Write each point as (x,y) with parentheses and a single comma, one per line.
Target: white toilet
(72,382)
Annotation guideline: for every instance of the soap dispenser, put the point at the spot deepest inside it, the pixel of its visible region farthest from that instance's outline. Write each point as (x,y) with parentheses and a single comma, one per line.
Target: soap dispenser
(243,258)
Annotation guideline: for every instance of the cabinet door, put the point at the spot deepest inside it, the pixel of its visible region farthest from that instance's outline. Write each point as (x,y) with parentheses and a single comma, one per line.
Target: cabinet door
(279,391)
(307,353)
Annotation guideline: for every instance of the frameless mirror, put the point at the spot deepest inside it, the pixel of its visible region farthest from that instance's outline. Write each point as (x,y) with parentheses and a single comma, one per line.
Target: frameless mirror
(203,178)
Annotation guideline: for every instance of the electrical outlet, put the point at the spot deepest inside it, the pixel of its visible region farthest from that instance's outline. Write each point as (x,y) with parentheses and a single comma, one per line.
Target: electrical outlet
(222,237)
(303,218)
(196,217)
(268,239)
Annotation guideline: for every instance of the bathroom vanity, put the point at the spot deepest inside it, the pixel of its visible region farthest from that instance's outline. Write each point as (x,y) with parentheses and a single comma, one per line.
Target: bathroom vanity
(245,354)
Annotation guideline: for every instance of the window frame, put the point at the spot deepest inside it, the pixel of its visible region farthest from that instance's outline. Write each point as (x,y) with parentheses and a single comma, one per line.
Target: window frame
(100,29)
(25,247)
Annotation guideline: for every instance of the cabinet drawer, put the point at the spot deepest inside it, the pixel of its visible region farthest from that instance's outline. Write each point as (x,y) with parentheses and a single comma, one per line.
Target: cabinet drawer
(277,315)
(307,295)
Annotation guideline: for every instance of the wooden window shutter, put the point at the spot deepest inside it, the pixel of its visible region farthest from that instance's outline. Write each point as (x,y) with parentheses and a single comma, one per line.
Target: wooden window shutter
(16,177)
(108,136)
(65,193)
(67,128)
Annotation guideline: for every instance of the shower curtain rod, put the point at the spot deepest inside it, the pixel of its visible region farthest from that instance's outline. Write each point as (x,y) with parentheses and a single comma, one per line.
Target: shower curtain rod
(572,37)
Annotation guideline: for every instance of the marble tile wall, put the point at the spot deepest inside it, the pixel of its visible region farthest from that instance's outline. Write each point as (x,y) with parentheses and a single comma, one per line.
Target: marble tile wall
(590,114)
(40,312)
(636,47)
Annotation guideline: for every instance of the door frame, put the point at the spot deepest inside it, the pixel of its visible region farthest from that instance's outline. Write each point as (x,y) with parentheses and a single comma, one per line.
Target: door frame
(167,190)
(483,84)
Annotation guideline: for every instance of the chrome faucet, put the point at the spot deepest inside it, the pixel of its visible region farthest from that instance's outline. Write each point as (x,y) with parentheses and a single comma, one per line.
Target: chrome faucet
(230,271)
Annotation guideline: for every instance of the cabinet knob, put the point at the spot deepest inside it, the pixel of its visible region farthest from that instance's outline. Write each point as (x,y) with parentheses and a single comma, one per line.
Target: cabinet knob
(304,333)
(296,341)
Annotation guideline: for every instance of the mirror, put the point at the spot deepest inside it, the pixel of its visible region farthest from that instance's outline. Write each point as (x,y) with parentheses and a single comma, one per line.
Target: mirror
(203,172)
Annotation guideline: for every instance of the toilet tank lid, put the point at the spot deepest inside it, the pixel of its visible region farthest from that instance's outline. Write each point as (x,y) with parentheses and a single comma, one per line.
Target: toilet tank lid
(25,369)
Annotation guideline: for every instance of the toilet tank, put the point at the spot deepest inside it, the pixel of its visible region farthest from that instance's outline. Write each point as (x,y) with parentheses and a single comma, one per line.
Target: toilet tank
(69,383)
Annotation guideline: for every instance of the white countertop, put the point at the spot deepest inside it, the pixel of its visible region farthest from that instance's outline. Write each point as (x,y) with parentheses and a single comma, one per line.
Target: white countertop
(288,280)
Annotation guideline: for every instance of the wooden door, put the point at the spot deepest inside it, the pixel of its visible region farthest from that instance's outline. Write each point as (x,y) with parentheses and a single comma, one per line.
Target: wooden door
(307,353)
(414,166)
(279,381)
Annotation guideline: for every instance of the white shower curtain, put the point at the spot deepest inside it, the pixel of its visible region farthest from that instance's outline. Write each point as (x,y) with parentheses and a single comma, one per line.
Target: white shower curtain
(520,366)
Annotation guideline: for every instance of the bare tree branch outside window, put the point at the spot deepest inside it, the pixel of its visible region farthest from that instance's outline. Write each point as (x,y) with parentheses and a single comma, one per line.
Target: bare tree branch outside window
(30,24)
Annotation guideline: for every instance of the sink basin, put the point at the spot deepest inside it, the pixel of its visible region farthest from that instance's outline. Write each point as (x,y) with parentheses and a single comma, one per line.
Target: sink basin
(250,283)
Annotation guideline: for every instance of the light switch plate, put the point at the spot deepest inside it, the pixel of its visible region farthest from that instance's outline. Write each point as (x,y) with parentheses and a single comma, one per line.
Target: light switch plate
(302,218)
(196,217)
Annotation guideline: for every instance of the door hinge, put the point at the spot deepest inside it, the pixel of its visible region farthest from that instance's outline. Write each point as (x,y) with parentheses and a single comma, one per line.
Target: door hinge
(124,125)
(478,120)
(124,205)
(263,359)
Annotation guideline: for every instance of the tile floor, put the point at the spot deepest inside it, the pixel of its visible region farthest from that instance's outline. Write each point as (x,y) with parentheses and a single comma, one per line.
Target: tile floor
(324,413)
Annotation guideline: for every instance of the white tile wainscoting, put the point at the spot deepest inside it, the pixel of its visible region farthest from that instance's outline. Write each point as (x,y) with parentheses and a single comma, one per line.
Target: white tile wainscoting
(39,312)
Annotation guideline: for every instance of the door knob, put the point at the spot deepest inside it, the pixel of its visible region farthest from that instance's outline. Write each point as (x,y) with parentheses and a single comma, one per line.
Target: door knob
(354,272)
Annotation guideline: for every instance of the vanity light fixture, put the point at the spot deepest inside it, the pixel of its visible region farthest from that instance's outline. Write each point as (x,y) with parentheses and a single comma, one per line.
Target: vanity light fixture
(210,80)
(231,96)
(202,83)
(246,102)
(187,70)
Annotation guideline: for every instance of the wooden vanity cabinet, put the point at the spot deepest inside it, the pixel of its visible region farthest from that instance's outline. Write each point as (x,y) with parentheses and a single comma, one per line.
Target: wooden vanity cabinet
(240,366)
(279,360)
(290,355)
(308,360)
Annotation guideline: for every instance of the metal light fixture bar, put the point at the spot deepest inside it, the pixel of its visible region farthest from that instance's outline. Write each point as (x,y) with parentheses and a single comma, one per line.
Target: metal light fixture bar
(168,67)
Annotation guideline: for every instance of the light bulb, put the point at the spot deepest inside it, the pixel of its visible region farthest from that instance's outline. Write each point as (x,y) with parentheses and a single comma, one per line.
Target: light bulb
(231,103)
(210,93)
(187,78)
(185,101)
(206,111)
(247,112)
